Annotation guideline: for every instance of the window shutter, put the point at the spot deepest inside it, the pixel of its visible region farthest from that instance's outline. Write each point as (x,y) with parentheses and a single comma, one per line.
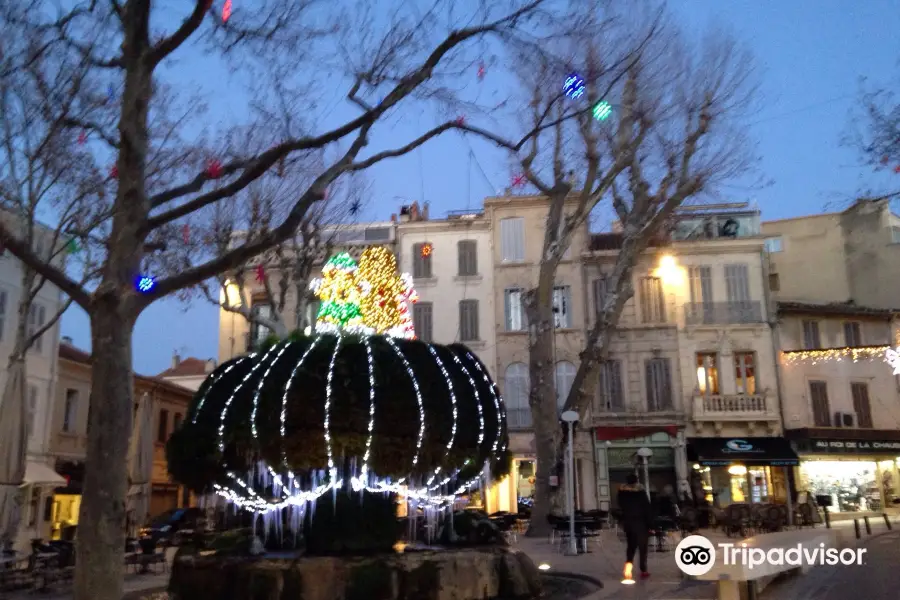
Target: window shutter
(818,393)
(512,239)
(468,260)
(600,291)
(422,321)
(468,320)
(737,284)
(861,404)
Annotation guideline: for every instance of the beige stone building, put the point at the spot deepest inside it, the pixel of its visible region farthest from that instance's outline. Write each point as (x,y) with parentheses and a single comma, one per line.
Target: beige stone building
(68,441)
(188,372)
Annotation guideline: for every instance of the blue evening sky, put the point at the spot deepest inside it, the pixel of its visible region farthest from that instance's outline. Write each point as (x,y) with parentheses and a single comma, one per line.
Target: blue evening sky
(811,54)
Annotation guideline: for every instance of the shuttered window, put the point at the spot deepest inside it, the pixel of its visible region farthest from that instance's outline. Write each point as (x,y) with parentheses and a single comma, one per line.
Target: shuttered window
(468,320)
(600,287)
(737,284)
(610,395)
(653,302)
(37,315)
(512,239)
(811,340)
(564,377)
(861,405)
(818,396)
(852,334)
(422,321)
(658,373)
(562,306)
(515,395)
(421,261)
(701,284)
(514,309)
(467,257)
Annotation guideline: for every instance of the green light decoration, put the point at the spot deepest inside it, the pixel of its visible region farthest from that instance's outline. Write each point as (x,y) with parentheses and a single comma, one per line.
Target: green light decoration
(72,246)
(602,110)
(342,260)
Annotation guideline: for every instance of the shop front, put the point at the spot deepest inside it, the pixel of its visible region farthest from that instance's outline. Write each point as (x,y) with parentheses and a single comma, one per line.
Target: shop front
(737,470)
(515,492)
(616,455)
(858,475)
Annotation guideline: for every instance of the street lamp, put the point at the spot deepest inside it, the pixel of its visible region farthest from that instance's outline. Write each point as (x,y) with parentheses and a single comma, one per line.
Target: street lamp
(645,454)
(570,416)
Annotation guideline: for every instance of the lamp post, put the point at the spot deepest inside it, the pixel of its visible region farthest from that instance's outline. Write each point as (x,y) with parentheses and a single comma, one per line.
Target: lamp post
(569,417)
(645,454)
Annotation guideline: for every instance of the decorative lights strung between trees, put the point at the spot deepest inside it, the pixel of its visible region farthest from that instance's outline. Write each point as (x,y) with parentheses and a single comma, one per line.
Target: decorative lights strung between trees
(835,355)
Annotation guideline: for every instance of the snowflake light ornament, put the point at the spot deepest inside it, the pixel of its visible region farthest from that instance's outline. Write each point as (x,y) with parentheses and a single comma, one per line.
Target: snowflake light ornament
(892,357)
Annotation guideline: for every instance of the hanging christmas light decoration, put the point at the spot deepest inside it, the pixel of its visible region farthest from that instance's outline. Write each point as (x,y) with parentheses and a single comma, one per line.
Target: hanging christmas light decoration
(427,249)
(573,86)
(72,246)
(482,70)
(260,273)
(82,138)
(145,283)
(226,11)
(854,354)
(114,172)
(214,169)
(602,110)
(519,180)
(186,233)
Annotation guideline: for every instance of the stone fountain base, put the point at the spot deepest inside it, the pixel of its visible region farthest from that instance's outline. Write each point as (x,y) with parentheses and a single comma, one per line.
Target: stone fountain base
(492,573)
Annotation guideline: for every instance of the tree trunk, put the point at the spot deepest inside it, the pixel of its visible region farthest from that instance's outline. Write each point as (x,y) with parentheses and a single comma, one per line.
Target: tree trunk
(542,398)
(101,531)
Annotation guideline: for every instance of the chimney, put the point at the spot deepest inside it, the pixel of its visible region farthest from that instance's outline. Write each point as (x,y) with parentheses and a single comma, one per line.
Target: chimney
(210,365)
(414,212)
(425,212)
(394,218)
(67,340)
(176,360)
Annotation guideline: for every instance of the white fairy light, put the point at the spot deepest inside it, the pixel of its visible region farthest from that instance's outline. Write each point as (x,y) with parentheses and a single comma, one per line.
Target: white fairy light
(892,357)
(477,397)
(498,402)
(213,383)
(284,399)
(332,472)
(258,392)
(365,467)
(237,389)
(440,364)
(412,377)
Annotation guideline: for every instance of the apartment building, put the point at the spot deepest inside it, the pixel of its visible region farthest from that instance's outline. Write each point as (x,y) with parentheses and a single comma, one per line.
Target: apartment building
(188,372)
(518,226)
(68,441)
(42,371)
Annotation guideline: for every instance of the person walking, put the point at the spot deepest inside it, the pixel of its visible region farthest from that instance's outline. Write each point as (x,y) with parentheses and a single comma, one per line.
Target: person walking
(636,521)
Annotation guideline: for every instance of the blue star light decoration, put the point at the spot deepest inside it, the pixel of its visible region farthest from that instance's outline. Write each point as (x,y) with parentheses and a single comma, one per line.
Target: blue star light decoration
(145,283)
(574,86)
(892,357)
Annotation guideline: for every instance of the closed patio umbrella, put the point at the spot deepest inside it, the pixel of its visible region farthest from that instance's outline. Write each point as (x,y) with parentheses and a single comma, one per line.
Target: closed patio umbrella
(13,450)
(140,463)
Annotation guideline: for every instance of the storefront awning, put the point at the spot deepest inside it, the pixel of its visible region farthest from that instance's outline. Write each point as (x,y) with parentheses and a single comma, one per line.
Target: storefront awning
(37,473)
(747,451)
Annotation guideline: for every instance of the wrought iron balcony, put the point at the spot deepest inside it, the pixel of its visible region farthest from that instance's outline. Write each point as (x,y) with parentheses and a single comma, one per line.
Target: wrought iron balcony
(723,313)
(518,418)
(735,407)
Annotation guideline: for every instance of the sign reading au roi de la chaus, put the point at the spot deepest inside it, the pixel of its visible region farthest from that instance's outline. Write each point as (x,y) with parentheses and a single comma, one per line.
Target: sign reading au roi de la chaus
(859,446)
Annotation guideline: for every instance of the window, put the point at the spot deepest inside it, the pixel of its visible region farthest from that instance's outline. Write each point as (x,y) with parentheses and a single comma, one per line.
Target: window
(33,505)
(259,333)
(567,254)
(600,287)
(468,257)
(70,417)
(818,396)
(653,302)
(708,373)
(861,405)
(774,282)
(421,261)
(562,306)
(423,321)
(563,378)
(737,284)
(701,294)
(811,340)
(176,423)
(468,320)
(774,244)
(162,431)
(852,334)
(659,384)
(514,308)
(2,313)
(312,313)
(895,235)
(36,319)
(515,393)
(609,389)
(32,407)
(745,372)
(512,239)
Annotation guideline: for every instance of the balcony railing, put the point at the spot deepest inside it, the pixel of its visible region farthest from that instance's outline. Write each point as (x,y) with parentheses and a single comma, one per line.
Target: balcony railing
(518,418)
(735,407)
(723,313)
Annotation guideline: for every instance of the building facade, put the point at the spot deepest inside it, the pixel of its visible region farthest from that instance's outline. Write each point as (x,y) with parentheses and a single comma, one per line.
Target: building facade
(188,372)
(68,445)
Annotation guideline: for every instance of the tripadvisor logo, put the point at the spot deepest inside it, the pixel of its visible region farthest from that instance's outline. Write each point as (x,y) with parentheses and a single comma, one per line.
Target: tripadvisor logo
(696,555)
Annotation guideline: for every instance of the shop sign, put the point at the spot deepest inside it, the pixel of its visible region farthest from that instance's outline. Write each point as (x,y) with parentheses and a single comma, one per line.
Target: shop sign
(854,446)
(738,446)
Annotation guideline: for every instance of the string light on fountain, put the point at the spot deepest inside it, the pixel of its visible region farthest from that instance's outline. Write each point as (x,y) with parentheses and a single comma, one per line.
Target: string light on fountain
(857,354)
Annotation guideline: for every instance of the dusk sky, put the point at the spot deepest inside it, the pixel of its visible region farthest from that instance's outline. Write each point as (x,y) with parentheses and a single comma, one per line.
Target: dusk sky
(811,55)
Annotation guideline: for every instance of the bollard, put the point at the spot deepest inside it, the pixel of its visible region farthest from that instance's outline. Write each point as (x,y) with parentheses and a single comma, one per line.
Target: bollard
(868,526)
(856,527)
(887,522)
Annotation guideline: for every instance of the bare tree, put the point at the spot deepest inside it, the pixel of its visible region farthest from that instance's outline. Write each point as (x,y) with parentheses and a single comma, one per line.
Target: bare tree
(160,176)
(874,132)
(40,171)
(674,135)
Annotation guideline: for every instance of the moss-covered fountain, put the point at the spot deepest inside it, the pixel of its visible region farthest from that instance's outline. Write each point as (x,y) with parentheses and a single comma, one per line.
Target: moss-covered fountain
(324,436)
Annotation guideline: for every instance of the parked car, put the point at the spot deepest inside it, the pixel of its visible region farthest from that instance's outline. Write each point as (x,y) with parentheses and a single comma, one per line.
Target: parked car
(171,525)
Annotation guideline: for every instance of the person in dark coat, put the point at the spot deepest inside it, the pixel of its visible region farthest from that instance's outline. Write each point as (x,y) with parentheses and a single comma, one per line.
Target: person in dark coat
(636,520)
